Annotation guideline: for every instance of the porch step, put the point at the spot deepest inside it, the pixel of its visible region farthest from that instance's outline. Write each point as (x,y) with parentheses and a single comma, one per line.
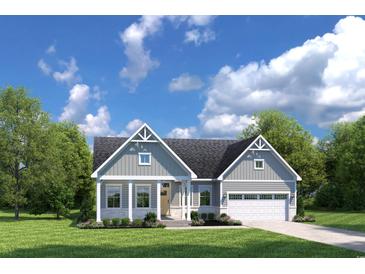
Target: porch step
(176,223)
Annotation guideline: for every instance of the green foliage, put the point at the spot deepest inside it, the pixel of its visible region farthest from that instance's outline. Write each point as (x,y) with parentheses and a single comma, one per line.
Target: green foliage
(106,222)
(211,216)
(194,215)
(345,166)
(300,206)
(150,217)
(125,221)
(294,144)
(137,223)
(204,216)
(116,221)
(86,209)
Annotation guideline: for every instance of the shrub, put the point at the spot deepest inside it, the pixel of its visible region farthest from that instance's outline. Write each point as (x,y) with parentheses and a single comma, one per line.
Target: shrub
(237,222)
(150,217)
(198,222)
(224,219)
(204,216)
(106,222)
(194,215)
(160,225)
(86,210)
(211,216)
(302,219)
(223,215)
(125,221)
(89,225)
(300,206)
(309,218)
(137,223)
(116,221)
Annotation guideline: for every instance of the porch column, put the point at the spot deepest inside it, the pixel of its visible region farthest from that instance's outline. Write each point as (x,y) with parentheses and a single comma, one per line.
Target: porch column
(182,200)
(130,196)
(188,189)
(158,200)
(98,200)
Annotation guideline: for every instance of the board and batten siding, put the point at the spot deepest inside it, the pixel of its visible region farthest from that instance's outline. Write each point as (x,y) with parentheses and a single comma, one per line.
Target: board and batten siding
(126,163)
(260,187)
(175,193)
(244,169)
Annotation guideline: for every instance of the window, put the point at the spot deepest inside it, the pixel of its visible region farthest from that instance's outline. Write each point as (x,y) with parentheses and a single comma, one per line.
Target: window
(144,159)
(205,196)
(280,196)
(186,196)
(259,163)
(143,194)
(265,196)
(235,196)
(113,196)
(250,196)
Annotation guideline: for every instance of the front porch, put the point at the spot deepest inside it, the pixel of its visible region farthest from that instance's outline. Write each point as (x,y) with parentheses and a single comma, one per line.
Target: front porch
(169,198)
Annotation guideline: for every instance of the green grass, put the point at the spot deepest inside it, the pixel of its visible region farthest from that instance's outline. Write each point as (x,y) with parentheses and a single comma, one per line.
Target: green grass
(347,220)
(44,236)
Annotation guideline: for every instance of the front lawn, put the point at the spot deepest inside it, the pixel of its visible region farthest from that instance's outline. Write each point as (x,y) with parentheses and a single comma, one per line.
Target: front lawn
(44,236)
(340,219)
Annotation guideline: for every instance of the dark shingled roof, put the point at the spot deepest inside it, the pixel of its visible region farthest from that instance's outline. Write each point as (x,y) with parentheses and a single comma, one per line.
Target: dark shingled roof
(207,158)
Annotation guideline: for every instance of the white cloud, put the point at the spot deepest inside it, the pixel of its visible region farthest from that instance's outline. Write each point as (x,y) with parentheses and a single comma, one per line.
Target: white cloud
(182,133)
(186,82)
(98,93)
(51,49)
(199,37)
(315,141)
(131,127)
(352,116)
(200,20)
(97,125)
(77,103)
(322,80)
(44,67)
(139,62)
(69,75)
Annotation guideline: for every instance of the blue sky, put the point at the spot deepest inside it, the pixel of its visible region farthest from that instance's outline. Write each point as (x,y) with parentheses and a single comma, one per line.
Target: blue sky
(186,76)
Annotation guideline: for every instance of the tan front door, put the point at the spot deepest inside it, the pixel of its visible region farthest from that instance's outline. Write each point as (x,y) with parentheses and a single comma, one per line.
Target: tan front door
(165,199)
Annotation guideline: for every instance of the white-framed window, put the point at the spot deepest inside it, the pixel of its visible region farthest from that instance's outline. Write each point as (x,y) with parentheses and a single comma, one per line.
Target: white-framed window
(265,196)
(280,196)
(113,196)
(205,195)
(235,196)
(251,196)
(144,158)
(259,164)
(143,196)
(186,196)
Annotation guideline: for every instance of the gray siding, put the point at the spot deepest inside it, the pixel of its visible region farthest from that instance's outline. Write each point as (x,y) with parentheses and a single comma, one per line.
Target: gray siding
(124,193)
(257,186)
(244,168)
(175,192)
(162,163)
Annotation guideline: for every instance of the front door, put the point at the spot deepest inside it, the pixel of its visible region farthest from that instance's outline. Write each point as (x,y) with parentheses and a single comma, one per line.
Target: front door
(165,199)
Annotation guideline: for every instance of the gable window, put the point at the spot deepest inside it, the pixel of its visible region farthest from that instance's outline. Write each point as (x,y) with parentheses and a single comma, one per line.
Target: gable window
(205,195)
(113,195)
(259,163)
(144,159)
(143,196)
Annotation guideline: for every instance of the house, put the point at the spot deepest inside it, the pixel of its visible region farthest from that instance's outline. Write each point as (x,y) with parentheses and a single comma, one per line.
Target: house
(247,179)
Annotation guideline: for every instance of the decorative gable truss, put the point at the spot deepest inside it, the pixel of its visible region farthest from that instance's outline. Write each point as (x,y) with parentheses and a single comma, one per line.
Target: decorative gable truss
(261,144)
(144,134)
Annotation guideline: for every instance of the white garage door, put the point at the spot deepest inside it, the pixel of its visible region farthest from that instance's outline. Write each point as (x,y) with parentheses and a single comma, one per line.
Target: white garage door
(262,206)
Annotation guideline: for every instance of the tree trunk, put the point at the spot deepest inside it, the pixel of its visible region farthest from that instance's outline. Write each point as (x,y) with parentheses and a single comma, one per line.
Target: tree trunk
(16,211)
(17,189)
(57,214)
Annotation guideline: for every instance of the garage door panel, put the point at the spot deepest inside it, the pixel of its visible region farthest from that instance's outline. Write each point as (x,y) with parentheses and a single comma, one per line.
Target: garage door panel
(258,209)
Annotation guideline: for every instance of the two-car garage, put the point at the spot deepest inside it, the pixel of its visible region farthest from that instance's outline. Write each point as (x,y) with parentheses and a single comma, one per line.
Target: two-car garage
(258,206)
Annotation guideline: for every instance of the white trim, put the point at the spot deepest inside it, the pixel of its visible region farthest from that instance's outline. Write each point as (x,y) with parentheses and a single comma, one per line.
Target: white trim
(259,149)
(158,189)
(202,179)
(130,200)
(220,193)
(183,193)
(139,158)
(261,181)
(98,200)
(144,141)
(211,195)
(258,192)
(143,178)
(191,196)
(259,160)
(106,195)
(188,206)
(220,177)
(149,193)
(192,174)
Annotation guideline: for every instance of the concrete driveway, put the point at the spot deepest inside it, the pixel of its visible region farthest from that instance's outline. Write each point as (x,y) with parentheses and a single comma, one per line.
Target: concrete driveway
(327,235)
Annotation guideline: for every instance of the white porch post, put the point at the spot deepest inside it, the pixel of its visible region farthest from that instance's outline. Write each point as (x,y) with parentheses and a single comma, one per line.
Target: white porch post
(182,200)
(188,189)
(158,200)
(130,195)
(98,200)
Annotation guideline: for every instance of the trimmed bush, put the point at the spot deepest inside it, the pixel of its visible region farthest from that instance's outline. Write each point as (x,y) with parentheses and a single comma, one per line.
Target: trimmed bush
(106,222)
(194,215)
(125,221)
(150,217)
(204,216)
(116,221)
(198,222)
(302,219)
(223,215)
(237,222)
(137,223)
(89,225)
(211,216)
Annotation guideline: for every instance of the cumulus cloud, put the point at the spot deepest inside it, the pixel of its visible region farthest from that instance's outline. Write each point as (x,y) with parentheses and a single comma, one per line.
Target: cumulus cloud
(76,107)
(200,20)
(182,133)
(199,37)
(97,125)
(186,82)
(44,67)
(51,49)
(139,62)
(322,80)
(131,127)
(69,75)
